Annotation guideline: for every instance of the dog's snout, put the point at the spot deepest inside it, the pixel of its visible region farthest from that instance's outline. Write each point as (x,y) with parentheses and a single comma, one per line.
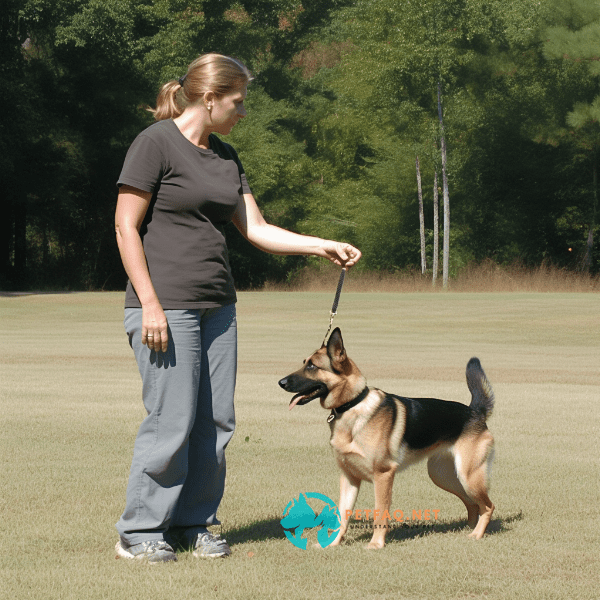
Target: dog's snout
(283,382)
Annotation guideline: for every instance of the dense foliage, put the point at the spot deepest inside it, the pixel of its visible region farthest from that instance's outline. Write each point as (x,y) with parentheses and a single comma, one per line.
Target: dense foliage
(344,99)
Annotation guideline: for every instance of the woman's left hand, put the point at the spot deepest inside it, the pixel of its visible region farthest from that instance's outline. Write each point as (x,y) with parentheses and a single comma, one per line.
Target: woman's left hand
(340,253)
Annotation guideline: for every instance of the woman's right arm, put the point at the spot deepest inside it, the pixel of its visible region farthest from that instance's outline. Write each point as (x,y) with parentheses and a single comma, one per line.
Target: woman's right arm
(132,206)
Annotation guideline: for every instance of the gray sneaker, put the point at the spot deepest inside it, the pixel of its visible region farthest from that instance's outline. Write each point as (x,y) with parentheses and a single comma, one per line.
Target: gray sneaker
(152,551)
(208,545)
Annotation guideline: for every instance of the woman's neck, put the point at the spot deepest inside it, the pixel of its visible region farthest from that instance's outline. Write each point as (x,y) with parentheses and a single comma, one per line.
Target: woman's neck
(194,125)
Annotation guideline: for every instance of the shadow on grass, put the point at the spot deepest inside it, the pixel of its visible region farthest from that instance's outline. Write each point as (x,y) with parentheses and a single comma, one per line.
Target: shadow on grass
(270,529)
(260,531)
(409,531)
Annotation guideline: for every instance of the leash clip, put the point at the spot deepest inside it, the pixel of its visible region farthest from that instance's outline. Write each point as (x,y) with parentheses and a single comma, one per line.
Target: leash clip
(331,316)
(332,416)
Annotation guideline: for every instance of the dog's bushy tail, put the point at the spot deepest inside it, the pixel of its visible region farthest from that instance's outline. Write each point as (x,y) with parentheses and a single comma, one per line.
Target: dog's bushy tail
(482,395)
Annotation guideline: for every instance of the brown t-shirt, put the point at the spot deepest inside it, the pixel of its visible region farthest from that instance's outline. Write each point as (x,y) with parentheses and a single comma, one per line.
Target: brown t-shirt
(195,192)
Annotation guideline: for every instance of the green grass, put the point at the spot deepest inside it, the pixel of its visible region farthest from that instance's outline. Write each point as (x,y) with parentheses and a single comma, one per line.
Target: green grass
(71,405)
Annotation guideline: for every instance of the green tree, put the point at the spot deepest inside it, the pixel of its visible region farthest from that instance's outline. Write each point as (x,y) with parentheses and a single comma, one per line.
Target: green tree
(13,224)
(79,74)
(575,38)
(384,111)
(64,132)
(525,167)
(345,98)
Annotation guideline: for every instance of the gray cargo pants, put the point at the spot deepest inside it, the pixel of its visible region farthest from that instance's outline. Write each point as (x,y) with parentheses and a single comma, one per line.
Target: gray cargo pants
(177,474)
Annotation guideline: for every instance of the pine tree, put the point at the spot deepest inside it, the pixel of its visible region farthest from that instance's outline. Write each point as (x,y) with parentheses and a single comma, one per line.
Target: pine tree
(575,38)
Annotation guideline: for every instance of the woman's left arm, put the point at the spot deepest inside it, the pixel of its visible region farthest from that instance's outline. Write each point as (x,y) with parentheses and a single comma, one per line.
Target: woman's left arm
(270,238)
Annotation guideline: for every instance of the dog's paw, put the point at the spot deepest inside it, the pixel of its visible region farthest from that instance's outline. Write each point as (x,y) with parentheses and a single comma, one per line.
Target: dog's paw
(375,545)
(332,545)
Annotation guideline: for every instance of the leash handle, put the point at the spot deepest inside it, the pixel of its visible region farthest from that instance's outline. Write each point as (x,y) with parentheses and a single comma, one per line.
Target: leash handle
(338,291)
(335,302)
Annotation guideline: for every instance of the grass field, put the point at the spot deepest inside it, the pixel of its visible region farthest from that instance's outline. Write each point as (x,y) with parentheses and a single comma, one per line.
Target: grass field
(71,405)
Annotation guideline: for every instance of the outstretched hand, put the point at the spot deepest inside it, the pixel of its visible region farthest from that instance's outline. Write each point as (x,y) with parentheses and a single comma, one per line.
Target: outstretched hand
(340,253)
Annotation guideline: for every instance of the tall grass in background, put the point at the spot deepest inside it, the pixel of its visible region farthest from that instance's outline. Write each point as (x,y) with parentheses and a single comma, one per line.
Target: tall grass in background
(487,276)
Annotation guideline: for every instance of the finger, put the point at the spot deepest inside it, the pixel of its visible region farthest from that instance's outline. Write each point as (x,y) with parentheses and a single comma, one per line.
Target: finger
(354,256)
(164,341)
(342,252)
(153,338)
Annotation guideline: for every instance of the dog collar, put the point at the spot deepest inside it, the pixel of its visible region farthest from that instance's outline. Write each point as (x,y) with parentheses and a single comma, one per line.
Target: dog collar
(336,412)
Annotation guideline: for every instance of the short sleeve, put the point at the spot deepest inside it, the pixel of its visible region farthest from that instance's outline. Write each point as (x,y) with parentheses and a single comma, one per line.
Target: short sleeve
(245,185)
(144,165)
(227,152)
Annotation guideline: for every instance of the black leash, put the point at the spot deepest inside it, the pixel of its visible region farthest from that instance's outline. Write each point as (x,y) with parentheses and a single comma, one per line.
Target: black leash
(335,302)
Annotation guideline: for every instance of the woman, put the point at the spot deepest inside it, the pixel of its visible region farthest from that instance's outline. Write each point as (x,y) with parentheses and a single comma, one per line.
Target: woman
(179,186)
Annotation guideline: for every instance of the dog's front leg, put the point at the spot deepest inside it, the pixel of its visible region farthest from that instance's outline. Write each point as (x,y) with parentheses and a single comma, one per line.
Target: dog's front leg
(384,481)
(349,487)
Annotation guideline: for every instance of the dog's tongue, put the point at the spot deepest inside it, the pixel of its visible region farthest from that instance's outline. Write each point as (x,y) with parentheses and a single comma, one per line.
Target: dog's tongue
(295,400)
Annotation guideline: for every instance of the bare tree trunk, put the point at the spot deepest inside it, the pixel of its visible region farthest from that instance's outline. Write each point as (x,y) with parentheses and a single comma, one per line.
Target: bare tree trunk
(436,229)
(6,235)
(446,249)
(587,259)
(421,219)
(20,260)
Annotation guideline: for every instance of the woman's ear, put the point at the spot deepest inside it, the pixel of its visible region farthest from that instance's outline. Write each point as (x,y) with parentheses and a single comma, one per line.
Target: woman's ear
(209,98)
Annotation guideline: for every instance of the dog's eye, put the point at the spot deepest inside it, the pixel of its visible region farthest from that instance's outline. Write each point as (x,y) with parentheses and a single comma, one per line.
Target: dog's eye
(311,367)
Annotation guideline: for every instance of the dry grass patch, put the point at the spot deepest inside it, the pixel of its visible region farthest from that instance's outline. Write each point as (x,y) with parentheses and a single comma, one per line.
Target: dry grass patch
(71,405)
(484,277)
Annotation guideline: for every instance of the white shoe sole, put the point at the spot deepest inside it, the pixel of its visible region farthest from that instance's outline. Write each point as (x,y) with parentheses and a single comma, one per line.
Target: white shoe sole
(122,553)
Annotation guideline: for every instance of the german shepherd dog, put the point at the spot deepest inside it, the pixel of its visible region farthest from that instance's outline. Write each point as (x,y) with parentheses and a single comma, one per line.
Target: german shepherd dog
(375,434)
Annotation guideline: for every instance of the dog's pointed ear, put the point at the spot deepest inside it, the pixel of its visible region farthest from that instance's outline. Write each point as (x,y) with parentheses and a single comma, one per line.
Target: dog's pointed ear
(335,346)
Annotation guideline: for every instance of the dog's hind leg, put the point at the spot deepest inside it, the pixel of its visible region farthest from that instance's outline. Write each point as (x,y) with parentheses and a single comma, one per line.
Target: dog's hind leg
(442,472)
(473,464)
(349,487)
(486,506)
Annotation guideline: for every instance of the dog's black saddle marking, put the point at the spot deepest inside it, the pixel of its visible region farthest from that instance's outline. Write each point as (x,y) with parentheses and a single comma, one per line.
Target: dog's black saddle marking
(389,405)
(429,420)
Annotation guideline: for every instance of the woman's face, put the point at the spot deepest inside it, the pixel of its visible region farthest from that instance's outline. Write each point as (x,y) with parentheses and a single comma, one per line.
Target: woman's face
(228,110)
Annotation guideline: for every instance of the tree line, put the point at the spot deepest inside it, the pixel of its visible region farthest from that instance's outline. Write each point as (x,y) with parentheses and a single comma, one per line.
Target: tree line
(430,133)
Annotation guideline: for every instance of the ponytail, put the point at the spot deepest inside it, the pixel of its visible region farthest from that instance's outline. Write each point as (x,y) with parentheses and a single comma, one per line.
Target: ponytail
(209,72)
(167,105)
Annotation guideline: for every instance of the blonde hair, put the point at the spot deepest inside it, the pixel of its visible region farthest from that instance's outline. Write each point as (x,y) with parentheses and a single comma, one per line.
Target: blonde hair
(208,73)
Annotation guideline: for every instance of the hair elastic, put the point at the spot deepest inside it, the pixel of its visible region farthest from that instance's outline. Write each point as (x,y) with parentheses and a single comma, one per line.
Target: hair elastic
(182,79)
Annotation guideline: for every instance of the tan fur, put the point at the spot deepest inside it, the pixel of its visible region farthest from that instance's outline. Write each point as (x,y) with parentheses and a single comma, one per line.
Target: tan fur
(368,446)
